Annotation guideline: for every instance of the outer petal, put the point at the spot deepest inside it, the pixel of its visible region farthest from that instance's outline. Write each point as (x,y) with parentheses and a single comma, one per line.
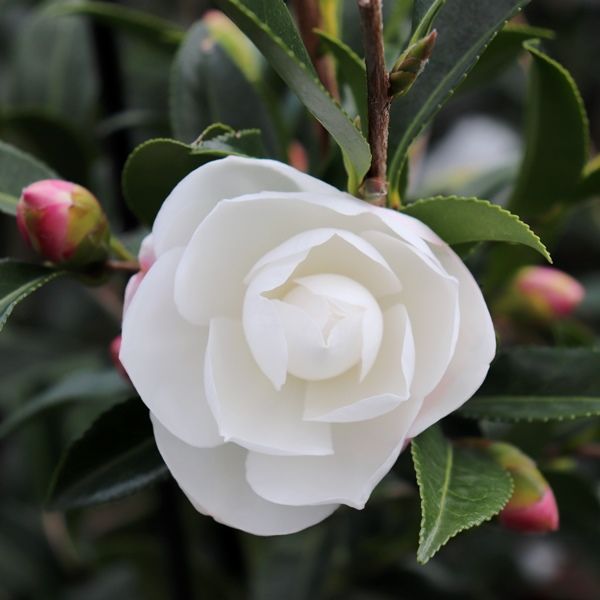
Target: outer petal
(241,231)
(345,399)
(163,356)
(198,193)
(214,481)
(475,349)
(248,410)
(431,299)
(364,453)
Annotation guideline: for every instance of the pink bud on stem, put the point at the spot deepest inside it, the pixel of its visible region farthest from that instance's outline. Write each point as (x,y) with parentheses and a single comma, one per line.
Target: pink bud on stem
(64,223)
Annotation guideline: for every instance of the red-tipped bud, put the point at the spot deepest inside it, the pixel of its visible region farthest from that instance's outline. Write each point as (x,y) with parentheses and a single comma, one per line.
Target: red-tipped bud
(297,156)
(532,507)
(64,223)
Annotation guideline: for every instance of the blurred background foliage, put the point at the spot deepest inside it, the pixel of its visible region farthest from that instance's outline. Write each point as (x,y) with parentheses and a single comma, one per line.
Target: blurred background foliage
(80,96)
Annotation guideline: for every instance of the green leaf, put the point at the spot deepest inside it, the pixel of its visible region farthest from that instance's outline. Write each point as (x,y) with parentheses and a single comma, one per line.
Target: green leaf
(135,22)
(105,386)
(207,87)
(18,170)
(539,384)
(590,184)
(154,168)
(462,220)
(17,281)
(271,28)
(460,488)
(457,49)
(350,71)
(503,51)
(116,457)
(557,139)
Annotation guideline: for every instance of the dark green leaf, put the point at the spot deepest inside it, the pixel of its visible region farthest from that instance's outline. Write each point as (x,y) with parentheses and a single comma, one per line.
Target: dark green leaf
(457,49)
(460,489)
(81,387)
(350,71)
(116,457)
(590,183)
(557,139)
(271,28)
(539,384)
(135,22)
(157,166)
(17,281)
(461,220)
(18,170)
(503,51)
(208,87)
(50,139)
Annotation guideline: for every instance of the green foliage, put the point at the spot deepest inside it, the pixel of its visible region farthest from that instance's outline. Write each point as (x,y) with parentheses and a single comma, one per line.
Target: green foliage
(135,22)
(351,71)
(17,281)
(539,384)
(460,488)
(271,28)
(83,386)
(556,140)
(18,170)
(114,458)
(146,181)
(207,86)
(463,220)
(457,49)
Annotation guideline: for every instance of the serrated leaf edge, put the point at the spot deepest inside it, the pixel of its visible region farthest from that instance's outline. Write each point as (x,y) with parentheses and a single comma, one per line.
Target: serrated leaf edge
(473,523)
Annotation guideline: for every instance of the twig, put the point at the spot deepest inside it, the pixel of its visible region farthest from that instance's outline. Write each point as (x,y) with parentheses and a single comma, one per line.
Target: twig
(379,100)
(123,265)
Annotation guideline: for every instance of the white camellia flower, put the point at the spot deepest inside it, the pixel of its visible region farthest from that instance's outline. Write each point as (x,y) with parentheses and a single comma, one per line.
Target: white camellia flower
(289,339)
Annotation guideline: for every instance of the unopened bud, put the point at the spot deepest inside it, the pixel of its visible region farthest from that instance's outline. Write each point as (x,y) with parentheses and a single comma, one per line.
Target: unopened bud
(543,293)
(114,350)
(64,223)
(146,258)
(532,507)
(410,65)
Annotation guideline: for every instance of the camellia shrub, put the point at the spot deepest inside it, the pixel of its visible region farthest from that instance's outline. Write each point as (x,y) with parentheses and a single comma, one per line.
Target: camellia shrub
(326,288)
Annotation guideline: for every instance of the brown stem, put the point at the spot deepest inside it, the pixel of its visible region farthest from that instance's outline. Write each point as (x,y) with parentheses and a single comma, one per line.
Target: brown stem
(379,100)
(123,265)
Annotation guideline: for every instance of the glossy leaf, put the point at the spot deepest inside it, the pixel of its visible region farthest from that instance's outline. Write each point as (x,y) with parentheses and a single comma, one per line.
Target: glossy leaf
(589,185)
(157,166)
(271,28)
(556,139)
(539,384)
(351,71)
(19,280)
(17,170)
(105,386)
(460,488)
(208,87)
(503,51)
(116,457)
(457,49)
(135,22)
(463,220)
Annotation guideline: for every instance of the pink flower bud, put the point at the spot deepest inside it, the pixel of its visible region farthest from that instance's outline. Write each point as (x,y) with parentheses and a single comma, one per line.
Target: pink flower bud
(146,258)
(63,222)
(546,293)
(532,507)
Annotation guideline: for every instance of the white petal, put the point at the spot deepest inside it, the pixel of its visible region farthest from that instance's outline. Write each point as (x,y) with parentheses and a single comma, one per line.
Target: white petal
(475,349)
(238,232)
(163,355)
(214,481)
(198,193)
(346,399)
(431,299)
(248,410)
(364,453)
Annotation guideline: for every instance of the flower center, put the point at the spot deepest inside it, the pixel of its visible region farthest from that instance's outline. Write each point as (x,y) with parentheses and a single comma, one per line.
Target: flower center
(330,324)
